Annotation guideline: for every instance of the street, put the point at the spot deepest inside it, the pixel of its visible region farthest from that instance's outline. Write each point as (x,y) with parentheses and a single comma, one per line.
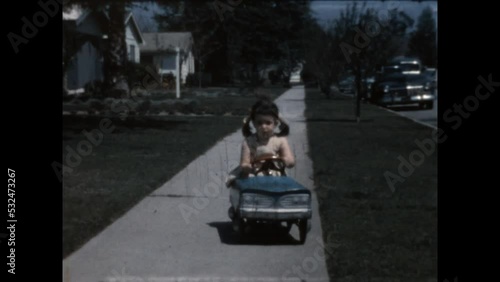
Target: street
(428,117)
(425,116)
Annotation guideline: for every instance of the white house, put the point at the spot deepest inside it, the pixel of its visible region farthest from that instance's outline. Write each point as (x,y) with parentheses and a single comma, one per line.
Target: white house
(87,65)
(160,50)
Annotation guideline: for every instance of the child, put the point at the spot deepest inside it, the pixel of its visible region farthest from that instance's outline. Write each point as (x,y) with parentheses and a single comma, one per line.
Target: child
(265,117)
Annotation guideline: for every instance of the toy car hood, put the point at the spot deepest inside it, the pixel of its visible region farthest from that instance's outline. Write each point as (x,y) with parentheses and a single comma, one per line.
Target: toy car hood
(270,184)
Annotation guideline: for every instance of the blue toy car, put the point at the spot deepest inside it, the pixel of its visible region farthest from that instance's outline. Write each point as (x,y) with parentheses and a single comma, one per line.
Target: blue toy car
(270,198)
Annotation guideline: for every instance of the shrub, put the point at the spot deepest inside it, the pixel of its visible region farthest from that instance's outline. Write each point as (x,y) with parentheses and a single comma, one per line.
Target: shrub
(94,89)
(143,106)
(192,80)
(135,74)
(191,106)
(96,105)
(168,81)
(274,77)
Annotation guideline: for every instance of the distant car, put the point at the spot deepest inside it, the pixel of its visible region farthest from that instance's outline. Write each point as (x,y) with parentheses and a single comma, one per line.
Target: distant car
(399,89)
(295,77)
(366,87)
(346,85)
(431,78)
(405,65)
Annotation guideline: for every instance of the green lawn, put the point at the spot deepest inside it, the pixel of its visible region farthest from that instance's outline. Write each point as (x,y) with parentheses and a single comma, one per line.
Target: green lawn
(373,232)
(138,156)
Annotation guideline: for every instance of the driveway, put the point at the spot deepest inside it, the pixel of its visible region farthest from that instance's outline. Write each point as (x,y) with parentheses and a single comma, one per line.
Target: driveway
(181,231)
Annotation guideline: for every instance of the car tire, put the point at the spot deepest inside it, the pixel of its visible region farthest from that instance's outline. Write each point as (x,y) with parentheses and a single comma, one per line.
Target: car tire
(230,213)
(427,105)
(239,227)
(285,230)
(303,230)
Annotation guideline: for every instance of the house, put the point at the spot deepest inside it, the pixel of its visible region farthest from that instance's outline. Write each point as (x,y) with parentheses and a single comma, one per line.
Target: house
(160,50)
(89,27)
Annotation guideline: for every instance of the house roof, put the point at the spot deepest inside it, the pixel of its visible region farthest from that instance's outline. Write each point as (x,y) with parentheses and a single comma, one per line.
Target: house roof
(130,18)
(167,41)
(78,14)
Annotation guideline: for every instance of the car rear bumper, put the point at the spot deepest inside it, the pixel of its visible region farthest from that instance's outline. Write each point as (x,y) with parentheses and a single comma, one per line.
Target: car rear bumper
(276,214)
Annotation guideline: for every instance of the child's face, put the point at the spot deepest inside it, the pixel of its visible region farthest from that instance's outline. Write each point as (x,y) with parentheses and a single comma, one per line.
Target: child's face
(264,124)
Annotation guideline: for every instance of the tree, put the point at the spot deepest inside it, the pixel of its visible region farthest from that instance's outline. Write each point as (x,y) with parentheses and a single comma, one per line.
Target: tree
(246,38)
(115,56)
(367,38)
(322,61)
(115,53)
(195,17)
(267,32)
(423,40)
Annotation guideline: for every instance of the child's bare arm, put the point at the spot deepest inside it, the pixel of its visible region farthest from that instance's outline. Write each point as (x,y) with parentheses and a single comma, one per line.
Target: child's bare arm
(245,162)
(286,154)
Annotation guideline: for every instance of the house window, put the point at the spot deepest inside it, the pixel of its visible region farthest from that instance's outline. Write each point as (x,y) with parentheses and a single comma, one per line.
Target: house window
(131,54)
(168,62)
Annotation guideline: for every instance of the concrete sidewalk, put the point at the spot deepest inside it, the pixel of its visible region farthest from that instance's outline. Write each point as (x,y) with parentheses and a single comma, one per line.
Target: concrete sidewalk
(181,231)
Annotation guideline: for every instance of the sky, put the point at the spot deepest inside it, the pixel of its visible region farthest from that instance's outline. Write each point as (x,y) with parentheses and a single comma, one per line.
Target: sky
(144,13)
(324,11)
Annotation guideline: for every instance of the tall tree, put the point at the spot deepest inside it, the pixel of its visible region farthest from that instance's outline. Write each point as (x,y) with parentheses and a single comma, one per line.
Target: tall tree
(270,32)
(323,62)
(115,53)
(367,38)
(423,40)
(198,18)
(240,35)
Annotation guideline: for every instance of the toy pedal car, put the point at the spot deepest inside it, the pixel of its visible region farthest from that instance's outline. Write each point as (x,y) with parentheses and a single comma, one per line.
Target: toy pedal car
(270,198)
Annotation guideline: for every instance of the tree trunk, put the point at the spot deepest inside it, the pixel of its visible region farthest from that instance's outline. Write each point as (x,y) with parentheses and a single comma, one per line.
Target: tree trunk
(358,90)
(116,52)
(200,73)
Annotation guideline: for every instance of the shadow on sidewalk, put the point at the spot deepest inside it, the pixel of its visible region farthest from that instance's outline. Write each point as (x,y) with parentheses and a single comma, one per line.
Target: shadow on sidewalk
(261,234)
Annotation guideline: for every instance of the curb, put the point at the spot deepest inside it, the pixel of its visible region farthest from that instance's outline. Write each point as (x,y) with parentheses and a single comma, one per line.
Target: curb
(412,119)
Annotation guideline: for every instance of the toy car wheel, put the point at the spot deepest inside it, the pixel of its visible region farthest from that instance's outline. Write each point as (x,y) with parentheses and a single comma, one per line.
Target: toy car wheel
(303,229)
(230,213)
(283,229)
(239,226)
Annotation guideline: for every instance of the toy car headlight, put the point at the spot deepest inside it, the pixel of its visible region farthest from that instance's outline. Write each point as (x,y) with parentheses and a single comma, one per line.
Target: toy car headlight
(256,200)
(295,200)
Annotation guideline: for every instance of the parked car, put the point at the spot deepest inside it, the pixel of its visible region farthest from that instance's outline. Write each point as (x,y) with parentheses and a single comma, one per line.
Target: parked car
(402,89)
(405,65)
(269,198)
(431,78)
(295,77)
(366,84)
(347,86)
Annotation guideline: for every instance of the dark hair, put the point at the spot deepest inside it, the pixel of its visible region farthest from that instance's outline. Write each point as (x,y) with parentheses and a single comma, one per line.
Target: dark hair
(264,107)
